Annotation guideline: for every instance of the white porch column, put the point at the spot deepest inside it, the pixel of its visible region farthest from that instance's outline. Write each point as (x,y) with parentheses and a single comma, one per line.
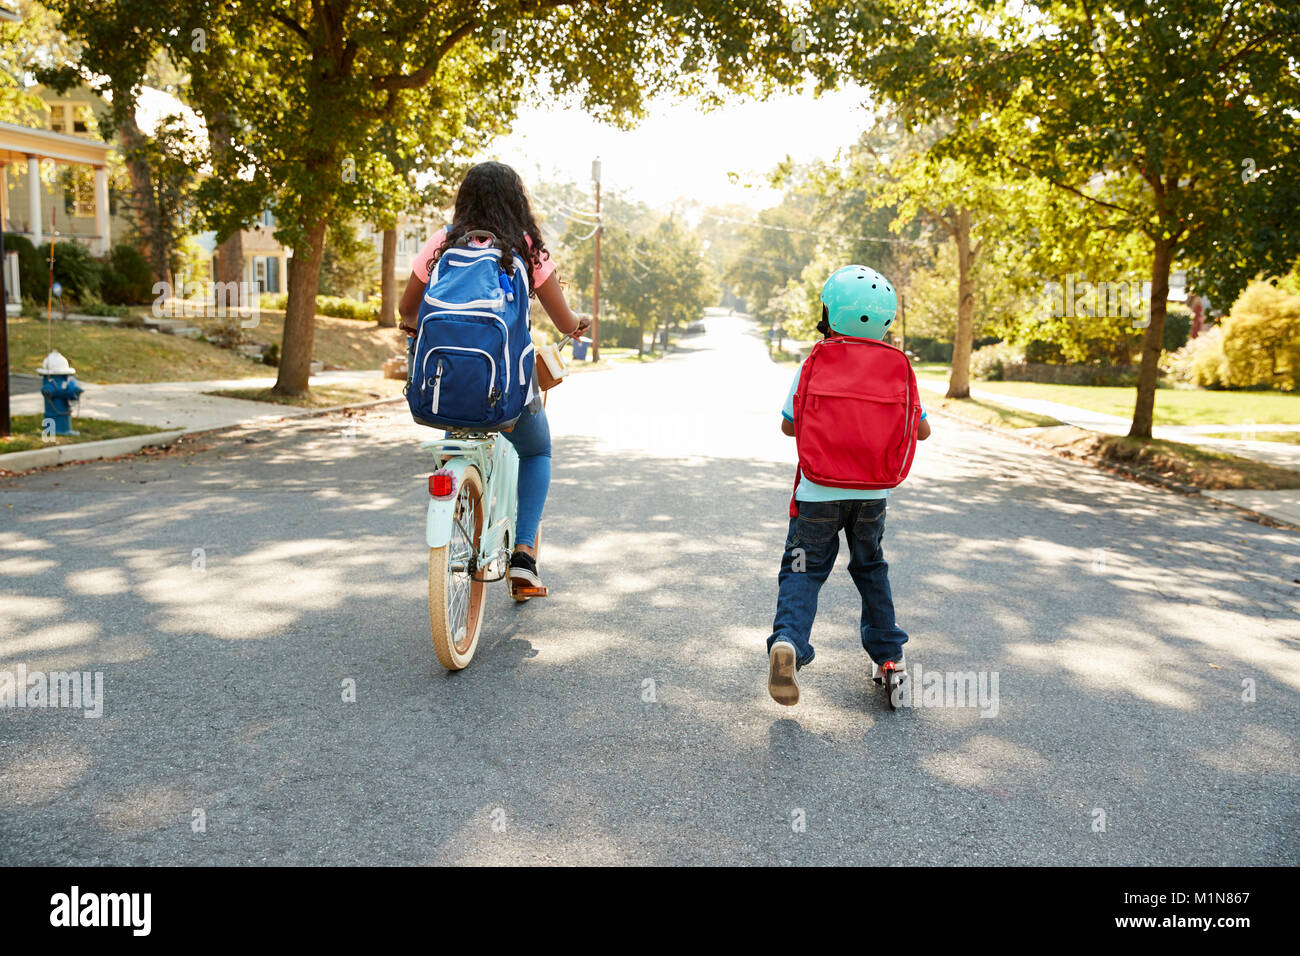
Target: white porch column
(34,199)
(101,208)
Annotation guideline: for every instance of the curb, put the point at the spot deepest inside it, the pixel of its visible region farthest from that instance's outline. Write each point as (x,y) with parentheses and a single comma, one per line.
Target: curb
(19,462)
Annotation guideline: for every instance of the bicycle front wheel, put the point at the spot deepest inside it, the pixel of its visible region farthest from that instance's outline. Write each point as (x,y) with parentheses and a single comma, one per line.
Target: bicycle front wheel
(455,597)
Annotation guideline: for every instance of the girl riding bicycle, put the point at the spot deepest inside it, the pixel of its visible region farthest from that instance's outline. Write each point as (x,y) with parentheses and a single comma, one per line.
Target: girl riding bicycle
(492,199)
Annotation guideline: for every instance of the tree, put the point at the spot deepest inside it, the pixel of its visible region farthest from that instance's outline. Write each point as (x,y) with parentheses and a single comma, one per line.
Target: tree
(33,42)
(320,80)
(657,279)
(776,248)
(349,263)
(1176,121)
(164,169)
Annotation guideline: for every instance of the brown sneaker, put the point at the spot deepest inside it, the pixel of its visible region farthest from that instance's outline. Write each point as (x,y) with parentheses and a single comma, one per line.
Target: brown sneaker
(782,683)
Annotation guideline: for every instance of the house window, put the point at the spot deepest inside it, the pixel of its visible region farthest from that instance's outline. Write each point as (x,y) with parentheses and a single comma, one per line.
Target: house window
(78,191)
(259,274)
(71,118)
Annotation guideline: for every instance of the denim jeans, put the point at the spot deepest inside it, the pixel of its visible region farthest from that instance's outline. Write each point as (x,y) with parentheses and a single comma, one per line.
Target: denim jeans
(811,546)
(531,437)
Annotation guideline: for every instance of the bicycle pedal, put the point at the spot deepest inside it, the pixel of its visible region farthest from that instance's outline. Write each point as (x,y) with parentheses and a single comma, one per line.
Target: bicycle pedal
(529,592)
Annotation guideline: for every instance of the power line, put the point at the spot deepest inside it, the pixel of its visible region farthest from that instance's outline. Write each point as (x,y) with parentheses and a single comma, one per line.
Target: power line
(815,232)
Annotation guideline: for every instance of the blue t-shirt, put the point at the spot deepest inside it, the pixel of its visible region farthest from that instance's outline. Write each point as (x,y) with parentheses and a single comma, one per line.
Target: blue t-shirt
(810,490)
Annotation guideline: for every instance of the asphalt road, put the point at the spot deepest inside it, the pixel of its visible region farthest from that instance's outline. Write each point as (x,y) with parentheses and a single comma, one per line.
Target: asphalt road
(625,719)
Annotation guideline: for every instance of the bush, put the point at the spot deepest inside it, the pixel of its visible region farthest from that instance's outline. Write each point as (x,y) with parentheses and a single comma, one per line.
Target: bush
(1200,362)
(342,308)
(93,305)
(1178,326)
(272,355)
(986,363)
(127,278)
(331,305)
(928,349)
(32,276)
(1043,352)
(1261,338)
(74,268)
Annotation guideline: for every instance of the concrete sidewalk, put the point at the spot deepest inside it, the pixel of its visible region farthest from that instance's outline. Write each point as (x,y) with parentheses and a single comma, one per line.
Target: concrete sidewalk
(182,405)
(178,408)
(1279,505)
(1272,452)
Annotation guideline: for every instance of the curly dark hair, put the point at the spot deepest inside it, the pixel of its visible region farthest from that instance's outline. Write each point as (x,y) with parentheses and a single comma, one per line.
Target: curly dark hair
(492,197)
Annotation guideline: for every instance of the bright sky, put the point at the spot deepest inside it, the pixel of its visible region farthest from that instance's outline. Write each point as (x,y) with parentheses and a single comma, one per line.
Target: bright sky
(680,152)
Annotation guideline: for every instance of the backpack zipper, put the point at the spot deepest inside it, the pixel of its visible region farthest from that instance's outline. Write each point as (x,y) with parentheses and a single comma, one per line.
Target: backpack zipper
(437,385)
(462,348)
(907,432)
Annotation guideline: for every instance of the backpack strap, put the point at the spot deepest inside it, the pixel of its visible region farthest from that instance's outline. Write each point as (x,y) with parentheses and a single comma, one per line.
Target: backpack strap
(800,395)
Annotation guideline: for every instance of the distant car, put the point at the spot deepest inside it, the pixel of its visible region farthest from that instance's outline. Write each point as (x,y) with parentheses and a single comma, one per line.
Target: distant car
(694,328)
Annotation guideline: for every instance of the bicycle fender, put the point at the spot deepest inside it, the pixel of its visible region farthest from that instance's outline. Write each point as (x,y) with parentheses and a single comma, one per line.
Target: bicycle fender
(438,522)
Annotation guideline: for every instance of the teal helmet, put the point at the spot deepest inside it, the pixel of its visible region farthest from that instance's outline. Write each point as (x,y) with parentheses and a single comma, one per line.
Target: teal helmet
(859,301)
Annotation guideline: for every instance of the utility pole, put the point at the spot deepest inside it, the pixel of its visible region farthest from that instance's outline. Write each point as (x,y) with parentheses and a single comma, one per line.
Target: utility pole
(5,423)
(595,302)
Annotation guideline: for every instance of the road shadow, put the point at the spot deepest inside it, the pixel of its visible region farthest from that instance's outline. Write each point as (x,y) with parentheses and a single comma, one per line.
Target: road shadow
(258,612)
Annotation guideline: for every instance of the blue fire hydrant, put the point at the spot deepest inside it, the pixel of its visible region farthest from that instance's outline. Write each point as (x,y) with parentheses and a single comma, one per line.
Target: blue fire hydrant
(60,389)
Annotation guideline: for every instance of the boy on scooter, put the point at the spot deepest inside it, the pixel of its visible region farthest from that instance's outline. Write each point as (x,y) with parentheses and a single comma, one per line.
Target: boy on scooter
(857,303)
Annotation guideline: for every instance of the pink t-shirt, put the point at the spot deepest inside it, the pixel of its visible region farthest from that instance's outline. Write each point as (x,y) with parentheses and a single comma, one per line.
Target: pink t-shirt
(424,259)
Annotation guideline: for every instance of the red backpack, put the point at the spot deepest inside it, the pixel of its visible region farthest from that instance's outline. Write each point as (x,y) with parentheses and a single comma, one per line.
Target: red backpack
(856,413)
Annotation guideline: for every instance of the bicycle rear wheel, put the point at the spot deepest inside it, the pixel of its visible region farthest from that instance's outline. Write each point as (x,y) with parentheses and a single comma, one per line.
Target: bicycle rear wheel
(455,597)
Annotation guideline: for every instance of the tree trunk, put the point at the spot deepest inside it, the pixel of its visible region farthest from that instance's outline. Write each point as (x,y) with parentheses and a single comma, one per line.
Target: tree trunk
(144,203)
(230,259)
(388,282)
(959,379)
(230,254)
(300,314)
(1152,342)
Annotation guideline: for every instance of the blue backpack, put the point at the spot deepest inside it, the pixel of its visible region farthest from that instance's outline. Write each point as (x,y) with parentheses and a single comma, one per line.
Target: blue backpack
(472,362)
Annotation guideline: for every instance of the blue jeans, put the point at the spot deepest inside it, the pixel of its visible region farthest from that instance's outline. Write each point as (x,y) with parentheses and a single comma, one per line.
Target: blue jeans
(531,437)
(811,546)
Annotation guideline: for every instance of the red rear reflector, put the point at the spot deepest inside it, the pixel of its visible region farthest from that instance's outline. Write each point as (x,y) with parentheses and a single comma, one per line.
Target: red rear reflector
(441,484)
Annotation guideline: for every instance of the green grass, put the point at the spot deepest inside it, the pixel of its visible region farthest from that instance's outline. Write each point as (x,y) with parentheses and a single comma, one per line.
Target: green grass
(110,355)
(1198,467)
(321,396)
(27,432)
(1174,406)
(1289,438)
(341,343)
(1187,464)
(931,369)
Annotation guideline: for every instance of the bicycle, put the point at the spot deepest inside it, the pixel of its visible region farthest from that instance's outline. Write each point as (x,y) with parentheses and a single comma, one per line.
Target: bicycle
(470,531)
